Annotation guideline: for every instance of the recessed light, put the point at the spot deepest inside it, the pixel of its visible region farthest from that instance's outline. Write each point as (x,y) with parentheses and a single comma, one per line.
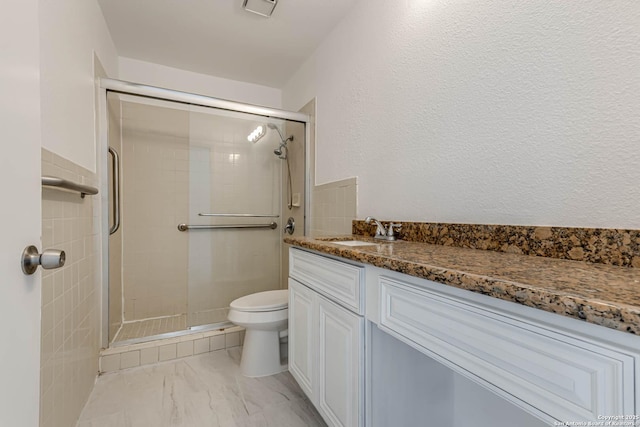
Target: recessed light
(260,7)
(256,134)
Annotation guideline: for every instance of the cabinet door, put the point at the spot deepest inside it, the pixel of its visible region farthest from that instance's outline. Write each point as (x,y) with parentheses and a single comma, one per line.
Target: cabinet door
(340,365)
(302,337)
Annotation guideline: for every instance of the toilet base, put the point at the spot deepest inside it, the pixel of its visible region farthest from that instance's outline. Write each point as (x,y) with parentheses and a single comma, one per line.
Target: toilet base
(261,354)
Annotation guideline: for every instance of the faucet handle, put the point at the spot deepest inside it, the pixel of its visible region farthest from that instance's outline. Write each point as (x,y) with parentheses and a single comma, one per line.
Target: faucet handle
(380,230)
(391,225)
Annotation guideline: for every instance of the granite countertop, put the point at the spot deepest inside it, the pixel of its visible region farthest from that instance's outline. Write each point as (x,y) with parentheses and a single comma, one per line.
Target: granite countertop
(597,293)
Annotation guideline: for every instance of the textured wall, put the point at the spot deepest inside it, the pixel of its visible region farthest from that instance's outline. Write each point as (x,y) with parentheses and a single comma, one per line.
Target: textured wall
(482,112)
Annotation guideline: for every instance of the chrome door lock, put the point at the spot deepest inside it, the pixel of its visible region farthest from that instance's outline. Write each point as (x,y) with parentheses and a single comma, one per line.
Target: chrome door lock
(48,259)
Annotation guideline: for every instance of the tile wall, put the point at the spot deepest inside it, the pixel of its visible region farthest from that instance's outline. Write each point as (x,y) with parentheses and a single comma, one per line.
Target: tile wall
(155,198)
(333,207)
(124,357)
(230,175)
(70,296)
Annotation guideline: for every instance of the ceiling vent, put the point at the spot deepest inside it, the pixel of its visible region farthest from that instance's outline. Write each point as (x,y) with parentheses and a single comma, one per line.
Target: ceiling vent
(260,7)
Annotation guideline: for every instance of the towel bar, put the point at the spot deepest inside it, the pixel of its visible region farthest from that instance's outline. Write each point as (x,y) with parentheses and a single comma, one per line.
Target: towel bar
(52,181)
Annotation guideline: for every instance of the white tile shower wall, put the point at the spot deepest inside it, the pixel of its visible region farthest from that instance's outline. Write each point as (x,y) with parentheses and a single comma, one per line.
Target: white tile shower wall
(333,207)
(155,198)
(70,296)
(229,175)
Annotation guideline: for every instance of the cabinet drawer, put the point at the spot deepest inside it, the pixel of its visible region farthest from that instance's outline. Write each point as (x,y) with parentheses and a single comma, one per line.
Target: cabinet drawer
(564,377)
(337,280)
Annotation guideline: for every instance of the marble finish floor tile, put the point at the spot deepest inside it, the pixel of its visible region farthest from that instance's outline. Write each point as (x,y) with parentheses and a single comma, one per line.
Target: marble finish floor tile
(207,390)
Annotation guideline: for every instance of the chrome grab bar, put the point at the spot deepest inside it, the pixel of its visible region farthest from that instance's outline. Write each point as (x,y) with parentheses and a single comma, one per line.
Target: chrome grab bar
(115,176)
(185,227)
(240,215)
(52,181)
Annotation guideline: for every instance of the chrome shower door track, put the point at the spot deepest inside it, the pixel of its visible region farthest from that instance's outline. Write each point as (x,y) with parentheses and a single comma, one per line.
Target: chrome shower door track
(191,330)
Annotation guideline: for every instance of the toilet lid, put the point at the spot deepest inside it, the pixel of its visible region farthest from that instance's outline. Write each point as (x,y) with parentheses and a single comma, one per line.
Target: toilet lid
(262,301)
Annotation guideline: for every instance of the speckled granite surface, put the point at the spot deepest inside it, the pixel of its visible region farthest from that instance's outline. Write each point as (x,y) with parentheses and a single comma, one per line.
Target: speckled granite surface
(606,295)
(598,245)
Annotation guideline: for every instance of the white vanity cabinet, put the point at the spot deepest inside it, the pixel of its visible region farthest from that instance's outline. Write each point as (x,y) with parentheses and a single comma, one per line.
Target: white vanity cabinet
(439,355)
(556,368)
(326,335)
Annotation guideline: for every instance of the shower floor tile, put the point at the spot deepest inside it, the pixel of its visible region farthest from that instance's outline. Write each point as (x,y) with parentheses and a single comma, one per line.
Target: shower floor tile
(207,390)
(147,328)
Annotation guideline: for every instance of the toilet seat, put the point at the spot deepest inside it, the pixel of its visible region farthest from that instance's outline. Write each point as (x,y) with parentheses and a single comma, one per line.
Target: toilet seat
(262,301)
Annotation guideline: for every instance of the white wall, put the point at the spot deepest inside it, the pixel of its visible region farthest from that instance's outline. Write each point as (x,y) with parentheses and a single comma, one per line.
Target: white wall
(70,32)
(136,71)
(482,112)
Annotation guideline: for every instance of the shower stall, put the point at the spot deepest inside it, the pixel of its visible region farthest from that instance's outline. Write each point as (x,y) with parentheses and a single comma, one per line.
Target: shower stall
(196,209)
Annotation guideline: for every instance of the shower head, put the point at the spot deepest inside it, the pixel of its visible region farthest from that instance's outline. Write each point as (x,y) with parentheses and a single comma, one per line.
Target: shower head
(284,141)
(282,151)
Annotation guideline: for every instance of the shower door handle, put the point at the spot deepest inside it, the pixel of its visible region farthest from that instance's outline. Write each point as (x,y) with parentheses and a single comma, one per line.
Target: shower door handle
(115,176)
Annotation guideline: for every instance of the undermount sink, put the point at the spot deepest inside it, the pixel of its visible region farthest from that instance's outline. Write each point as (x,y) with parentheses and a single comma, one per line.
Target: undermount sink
(346,241)
(354,243)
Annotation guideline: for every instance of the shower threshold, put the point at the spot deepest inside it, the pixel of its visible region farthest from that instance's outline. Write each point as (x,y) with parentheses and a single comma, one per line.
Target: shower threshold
(123,339)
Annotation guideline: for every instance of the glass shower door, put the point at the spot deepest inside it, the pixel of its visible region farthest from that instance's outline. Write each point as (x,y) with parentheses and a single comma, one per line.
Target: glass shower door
(147,255)
(183,164)
(232,183)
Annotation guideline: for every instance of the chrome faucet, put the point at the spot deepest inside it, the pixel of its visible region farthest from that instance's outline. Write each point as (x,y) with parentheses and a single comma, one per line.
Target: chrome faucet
(381,232)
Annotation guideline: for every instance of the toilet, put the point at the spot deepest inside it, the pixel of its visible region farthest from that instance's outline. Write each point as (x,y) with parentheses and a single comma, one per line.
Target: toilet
(265,317)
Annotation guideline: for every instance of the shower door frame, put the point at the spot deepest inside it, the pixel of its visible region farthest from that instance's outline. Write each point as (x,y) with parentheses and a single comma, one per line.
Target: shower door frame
(105,86)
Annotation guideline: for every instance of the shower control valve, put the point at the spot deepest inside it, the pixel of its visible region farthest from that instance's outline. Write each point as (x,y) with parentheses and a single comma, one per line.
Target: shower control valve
(291,226)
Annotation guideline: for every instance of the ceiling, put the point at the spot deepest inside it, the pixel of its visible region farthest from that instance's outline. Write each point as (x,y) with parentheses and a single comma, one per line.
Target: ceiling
(220,38)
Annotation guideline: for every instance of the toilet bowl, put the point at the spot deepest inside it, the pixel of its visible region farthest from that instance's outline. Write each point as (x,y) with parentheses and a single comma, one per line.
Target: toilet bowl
(264,316)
